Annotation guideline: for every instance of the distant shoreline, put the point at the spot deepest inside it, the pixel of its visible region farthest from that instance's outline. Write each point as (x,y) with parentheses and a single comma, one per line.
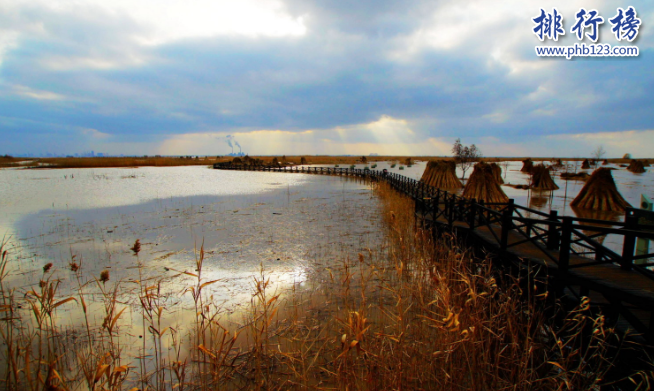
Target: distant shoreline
(169,161)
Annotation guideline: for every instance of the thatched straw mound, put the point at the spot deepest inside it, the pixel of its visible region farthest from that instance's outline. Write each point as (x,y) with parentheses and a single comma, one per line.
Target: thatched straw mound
(303,160)
(605,162)
(408,161)
(441,174)
(542,180)
(237,160)
(558,163)
(585,165)
(600,193)
(636,166)
(274,161)
(252,161)
(497,170)
(483,186)
(527,166)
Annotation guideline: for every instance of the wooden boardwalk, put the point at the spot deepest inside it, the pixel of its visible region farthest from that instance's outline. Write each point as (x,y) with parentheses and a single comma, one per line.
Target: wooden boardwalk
(568,249)
(609,286)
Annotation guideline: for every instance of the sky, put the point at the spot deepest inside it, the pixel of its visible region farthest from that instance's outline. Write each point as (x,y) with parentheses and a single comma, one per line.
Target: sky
(296,77)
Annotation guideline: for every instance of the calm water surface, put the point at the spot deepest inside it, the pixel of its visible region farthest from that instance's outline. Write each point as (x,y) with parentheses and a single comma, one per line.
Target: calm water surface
(243,218)
(285,224)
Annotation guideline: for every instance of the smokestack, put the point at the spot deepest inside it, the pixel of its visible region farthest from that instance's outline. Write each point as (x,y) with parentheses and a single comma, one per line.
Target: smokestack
(239,146)
(229,142)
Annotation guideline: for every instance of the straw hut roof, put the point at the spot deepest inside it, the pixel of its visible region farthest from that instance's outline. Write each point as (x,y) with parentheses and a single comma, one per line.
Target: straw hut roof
(542,180)
(636,166)
(600,193)
(408,161)
(237,160)
(497,171)
(483,185)
(585,165)
(527,165)
(441,174)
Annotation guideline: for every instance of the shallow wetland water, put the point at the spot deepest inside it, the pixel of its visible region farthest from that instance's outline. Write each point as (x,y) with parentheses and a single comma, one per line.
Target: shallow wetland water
(289,226)
(286,225)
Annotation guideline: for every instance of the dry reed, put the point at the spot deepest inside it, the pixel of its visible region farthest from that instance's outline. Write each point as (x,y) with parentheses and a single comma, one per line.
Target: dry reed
(420,312)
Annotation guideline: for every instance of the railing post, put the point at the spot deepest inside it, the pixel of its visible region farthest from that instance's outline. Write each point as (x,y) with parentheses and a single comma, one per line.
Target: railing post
(425,202)
(553,236)
(507,224)
(564,249)
(452,206)
(473,213)
(629,244)
(436,202)
(422,191)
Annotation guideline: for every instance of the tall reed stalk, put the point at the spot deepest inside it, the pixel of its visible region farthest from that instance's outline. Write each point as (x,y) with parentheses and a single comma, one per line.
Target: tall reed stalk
(421,311)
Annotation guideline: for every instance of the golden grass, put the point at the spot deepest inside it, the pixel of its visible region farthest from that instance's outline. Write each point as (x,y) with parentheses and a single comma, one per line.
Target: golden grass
(416,313)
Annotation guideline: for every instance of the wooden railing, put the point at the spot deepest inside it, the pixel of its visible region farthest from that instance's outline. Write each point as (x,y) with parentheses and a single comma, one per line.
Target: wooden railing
(557,238)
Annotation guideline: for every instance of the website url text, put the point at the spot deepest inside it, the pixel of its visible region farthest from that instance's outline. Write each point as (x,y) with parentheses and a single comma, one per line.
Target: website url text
(583,50)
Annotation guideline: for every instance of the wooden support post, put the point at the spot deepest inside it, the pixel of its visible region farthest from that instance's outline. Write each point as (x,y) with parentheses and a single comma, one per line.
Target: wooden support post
(629,243)
(507,225)
(564,249)
(553,236)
